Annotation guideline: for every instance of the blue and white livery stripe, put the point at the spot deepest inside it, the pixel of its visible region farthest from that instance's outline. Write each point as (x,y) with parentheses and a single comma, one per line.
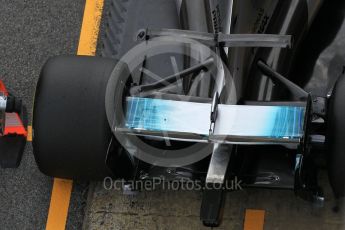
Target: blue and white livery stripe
(274,122)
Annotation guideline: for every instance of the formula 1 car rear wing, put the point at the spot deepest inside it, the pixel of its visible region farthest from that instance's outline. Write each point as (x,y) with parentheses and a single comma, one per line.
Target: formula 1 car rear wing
(260,123)
(217,123)
(223,125)
(145,110)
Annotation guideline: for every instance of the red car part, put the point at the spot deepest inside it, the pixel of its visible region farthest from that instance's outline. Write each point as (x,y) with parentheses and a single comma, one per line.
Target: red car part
(13,139)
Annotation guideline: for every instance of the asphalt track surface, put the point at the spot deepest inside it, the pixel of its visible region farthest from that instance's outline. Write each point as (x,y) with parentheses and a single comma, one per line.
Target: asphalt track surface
(30,32)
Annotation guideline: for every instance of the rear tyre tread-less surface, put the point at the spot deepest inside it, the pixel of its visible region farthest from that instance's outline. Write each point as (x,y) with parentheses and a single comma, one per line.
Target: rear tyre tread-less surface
(71,132)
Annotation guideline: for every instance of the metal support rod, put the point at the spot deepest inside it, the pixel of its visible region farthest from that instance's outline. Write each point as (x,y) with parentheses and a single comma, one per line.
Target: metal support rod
(204,66)
(255,40)
(297,91)
(226,40)
(219,163)
(202,37)
(213,198)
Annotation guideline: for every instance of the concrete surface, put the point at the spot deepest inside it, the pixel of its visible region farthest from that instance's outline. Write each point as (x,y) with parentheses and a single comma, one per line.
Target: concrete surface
(30,32)
(180,210)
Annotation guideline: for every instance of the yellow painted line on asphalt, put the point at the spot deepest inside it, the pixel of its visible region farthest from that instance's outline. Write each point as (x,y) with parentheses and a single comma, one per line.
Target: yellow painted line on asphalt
(90,27)
(254,219)
(62,189)
(29,136)
(59,203)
